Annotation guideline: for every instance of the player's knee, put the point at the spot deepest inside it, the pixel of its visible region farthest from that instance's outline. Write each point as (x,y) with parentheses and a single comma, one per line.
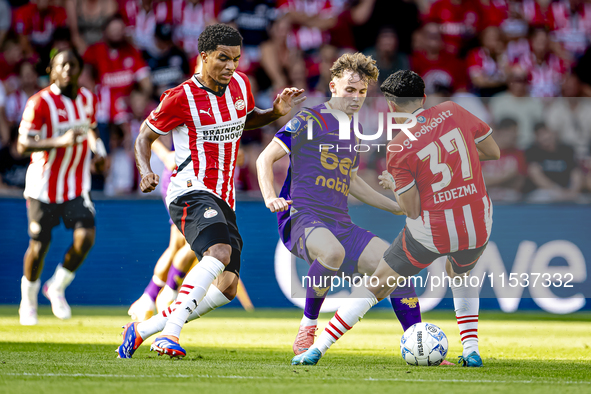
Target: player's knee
(37,248)
(222,252)
(334,254)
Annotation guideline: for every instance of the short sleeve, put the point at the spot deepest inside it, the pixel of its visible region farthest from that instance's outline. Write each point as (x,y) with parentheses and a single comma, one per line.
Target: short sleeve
(480,130)
(249,96)
(165,117)
(94,104)
(34,117)
(398,168)
(293,131)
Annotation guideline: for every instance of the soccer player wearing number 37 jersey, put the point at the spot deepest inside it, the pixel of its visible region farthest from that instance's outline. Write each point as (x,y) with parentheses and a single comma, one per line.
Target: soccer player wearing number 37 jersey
(206,115)
(437,180)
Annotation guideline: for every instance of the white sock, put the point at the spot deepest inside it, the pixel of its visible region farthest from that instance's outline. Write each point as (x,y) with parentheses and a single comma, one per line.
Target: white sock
(308,322)
(198,281)
(157,281)
(466,305)
(354,308)
(29,292)
(61,278)
(212,300)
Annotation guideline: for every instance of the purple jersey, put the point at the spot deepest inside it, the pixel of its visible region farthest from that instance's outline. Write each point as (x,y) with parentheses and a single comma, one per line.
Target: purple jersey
(320,168)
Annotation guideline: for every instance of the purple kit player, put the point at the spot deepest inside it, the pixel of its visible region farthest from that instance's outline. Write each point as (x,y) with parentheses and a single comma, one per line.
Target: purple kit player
(317,226)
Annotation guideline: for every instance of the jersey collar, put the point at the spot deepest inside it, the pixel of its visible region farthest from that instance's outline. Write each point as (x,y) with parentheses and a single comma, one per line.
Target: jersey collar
(202,86)
(55,90)
(415,112)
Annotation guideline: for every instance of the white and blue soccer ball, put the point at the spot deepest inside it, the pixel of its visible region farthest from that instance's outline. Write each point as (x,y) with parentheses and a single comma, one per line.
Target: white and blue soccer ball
(424,344)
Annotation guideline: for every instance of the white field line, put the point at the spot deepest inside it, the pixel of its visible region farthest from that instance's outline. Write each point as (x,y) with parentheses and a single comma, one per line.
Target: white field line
(100,375)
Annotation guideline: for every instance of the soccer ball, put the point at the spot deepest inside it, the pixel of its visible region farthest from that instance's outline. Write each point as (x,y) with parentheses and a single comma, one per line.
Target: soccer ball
(423,344)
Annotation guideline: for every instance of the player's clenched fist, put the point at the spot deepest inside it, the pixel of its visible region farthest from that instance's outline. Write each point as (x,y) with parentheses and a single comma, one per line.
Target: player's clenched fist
(387,181)
(278,204)
(149,182)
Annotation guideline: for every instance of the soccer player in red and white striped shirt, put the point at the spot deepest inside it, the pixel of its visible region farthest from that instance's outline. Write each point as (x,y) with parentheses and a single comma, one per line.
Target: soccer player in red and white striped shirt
(58,130)
(207,115)
(437,180)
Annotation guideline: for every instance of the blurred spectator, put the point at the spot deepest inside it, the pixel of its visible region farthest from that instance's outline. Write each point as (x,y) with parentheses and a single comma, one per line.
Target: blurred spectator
(504,177)
(486,64)
(400,15)
(13,166)
(545,70)
(436,65)
(190,18)
(87,18)
(251,18)
(10,58)
(276,56)
(141,18)
(5,20)
(570,23)
(115,66)
(515,104)
(16,101)
(120,177)
(552,168)
(168,63)
(458,21)
(386,54)
(35,24)
(572,116)
(492,13)
(4,129)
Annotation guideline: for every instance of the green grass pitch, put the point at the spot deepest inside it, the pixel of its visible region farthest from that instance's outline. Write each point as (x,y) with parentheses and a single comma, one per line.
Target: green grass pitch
(232,351)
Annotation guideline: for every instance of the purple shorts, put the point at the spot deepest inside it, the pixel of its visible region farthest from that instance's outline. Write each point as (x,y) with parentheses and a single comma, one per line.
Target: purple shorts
(353,238)
(164,182)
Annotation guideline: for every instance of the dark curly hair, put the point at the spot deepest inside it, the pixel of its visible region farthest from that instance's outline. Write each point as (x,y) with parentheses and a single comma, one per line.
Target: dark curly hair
(218,34)
(403,87)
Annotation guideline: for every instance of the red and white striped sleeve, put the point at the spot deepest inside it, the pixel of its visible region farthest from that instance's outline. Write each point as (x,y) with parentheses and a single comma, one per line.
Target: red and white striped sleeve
(166,116)
(35,117)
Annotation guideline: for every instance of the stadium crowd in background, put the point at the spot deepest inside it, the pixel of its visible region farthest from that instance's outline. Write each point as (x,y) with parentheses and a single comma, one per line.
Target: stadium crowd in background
(502,59)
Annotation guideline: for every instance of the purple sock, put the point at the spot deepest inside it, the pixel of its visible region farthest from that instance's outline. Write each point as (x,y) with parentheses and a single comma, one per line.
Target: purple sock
(406,305)
(175,277)
(152,290)
(320,280)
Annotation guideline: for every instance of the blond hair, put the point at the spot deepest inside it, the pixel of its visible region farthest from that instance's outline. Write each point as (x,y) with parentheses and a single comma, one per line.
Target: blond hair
(357,63)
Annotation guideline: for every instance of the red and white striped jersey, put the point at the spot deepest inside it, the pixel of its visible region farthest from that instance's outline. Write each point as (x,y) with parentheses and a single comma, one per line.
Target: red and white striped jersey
(443,163)
(60,174)
(206,127)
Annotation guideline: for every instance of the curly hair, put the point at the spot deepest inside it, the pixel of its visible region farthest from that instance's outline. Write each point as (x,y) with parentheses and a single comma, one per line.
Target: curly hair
(403,87)
(218,34)
(358,63)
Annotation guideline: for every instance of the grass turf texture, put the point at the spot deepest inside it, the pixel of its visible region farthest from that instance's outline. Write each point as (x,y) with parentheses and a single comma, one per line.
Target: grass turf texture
(238,352)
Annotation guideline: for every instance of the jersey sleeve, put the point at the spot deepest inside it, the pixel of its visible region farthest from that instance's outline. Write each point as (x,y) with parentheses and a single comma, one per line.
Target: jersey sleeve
(293,133)
(400,171)
(249,96)
(34,118)
(165,117)
(477,128)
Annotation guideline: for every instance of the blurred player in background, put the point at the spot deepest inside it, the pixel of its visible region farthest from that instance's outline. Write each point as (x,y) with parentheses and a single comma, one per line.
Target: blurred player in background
(314,222)
(58,129)
(207,115)
(437,180)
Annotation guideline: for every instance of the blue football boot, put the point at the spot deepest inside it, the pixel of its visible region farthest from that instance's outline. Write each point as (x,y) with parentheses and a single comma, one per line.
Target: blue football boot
(167,345)
(309,357)
(472,360)
(131,341)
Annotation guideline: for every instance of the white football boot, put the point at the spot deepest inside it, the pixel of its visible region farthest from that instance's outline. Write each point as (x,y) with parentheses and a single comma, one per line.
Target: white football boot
(54,290)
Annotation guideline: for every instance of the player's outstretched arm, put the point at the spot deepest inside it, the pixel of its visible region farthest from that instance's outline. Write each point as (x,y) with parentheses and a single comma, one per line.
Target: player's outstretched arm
(270,155)
(283,104)
(488,149)
(366,194)
(143,152)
